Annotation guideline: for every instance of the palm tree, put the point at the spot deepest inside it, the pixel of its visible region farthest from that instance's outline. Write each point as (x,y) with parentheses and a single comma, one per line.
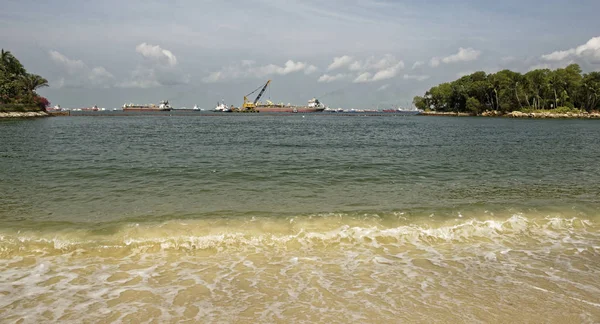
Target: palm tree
(10,65)
(32,82)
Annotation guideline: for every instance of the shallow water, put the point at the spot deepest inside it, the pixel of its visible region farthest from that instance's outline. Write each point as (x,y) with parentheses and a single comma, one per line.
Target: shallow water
(299,219)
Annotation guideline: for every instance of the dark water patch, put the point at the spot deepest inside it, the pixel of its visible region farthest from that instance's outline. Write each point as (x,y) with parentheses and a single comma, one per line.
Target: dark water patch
(113,167)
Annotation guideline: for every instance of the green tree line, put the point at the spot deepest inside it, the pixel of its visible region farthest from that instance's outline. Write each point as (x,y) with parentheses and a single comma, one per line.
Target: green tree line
(505,91)
(17,87)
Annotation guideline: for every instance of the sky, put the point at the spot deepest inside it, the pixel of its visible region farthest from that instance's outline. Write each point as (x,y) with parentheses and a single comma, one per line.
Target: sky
(348,53)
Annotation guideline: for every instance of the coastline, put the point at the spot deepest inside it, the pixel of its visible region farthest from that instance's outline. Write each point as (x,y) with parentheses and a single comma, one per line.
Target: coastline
(27,114)
(515,114)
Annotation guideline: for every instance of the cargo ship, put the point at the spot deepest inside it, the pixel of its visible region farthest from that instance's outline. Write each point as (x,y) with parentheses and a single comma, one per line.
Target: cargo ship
(162,106)
(313,106)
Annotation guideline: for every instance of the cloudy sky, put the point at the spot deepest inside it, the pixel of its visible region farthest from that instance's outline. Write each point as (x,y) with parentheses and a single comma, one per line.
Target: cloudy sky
(349,53)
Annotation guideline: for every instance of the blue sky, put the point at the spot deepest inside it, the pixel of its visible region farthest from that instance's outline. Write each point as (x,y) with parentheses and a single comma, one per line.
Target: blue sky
(350,53)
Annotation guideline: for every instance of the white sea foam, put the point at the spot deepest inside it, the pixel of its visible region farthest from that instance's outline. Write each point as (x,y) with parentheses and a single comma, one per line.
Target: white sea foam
(178,271)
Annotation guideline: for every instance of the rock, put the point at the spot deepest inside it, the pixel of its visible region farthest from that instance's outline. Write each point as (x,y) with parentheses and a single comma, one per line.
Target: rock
(518,114)
(28,114)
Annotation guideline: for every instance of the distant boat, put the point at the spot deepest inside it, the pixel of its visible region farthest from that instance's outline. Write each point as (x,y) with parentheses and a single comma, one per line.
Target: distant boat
(196,108)
(403,111)
(222,107)
(162,106)
(94,108)
(313,106)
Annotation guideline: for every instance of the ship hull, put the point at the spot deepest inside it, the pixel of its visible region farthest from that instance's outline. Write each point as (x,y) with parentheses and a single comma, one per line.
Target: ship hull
(145,109)
(288,109)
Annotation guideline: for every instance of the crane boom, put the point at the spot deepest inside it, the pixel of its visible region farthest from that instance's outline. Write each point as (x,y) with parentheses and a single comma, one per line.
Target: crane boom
(261,92)
(249,106)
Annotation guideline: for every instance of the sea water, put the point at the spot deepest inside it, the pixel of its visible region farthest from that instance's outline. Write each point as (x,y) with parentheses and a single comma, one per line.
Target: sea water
(304,219)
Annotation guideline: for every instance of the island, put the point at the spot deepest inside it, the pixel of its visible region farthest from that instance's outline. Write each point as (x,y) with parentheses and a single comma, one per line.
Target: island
(540,93)
(18,97)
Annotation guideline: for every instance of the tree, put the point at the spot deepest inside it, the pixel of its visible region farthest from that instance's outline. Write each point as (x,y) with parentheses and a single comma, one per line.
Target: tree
(508,90)
(16,85)
(9,65)
(590,90)
(473,105)
(537,84)
(420,103)
(572,85)
(42,102)
(32,82)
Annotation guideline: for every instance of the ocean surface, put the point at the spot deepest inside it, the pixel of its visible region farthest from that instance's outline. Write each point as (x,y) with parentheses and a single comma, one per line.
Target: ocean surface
(299,219)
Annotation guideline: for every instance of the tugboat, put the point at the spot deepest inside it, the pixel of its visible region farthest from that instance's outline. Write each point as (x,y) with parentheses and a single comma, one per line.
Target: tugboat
(222,107)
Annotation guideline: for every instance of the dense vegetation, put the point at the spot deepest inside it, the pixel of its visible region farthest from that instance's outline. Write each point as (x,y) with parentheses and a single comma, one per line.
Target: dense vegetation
(505,91)
(17,87)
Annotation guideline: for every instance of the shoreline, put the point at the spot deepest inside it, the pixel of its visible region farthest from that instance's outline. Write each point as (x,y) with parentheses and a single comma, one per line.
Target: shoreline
(516,114)
(26,114)
(513,114)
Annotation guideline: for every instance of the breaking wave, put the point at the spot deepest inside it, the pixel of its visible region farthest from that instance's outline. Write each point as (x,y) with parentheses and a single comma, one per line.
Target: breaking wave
(306,269)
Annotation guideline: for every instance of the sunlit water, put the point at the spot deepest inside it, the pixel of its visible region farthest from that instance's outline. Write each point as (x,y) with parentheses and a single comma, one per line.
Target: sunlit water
(314,218)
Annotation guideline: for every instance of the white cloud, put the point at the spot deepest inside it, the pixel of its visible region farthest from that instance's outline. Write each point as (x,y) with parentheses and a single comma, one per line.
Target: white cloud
(247,69)
(364,77)
(156,53)
(374,69)
(386,62)
(558,55)
(463,55)
(340,62)
(416,77)
(355,66)
(388,73)
(158,69)
(154,76)
(417,64)
(374,64)
(80,74)
(141,78)
(99,75)
(72,66)
(589,51)
(508,59)
(331,78)
(289,67)
(383,87)
(434,62)
(310,69)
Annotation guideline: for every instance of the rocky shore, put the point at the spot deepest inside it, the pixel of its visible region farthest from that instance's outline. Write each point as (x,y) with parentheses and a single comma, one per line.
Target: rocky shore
(518,114)
(27,114)
(445,113)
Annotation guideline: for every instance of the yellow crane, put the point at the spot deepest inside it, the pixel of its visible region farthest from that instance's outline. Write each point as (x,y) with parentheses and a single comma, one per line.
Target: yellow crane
(251,105)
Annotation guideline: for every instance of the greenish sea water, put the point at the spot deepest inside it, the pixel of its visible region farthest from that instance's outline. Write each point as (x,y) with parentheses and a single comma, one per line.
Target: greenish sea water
(299,218)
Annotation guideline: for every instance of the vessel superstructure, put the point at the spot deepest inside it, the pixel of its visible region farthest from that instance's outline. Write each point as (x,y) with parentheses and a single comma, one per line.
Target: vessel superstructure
(162,106)
(222,107)
(313,106)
